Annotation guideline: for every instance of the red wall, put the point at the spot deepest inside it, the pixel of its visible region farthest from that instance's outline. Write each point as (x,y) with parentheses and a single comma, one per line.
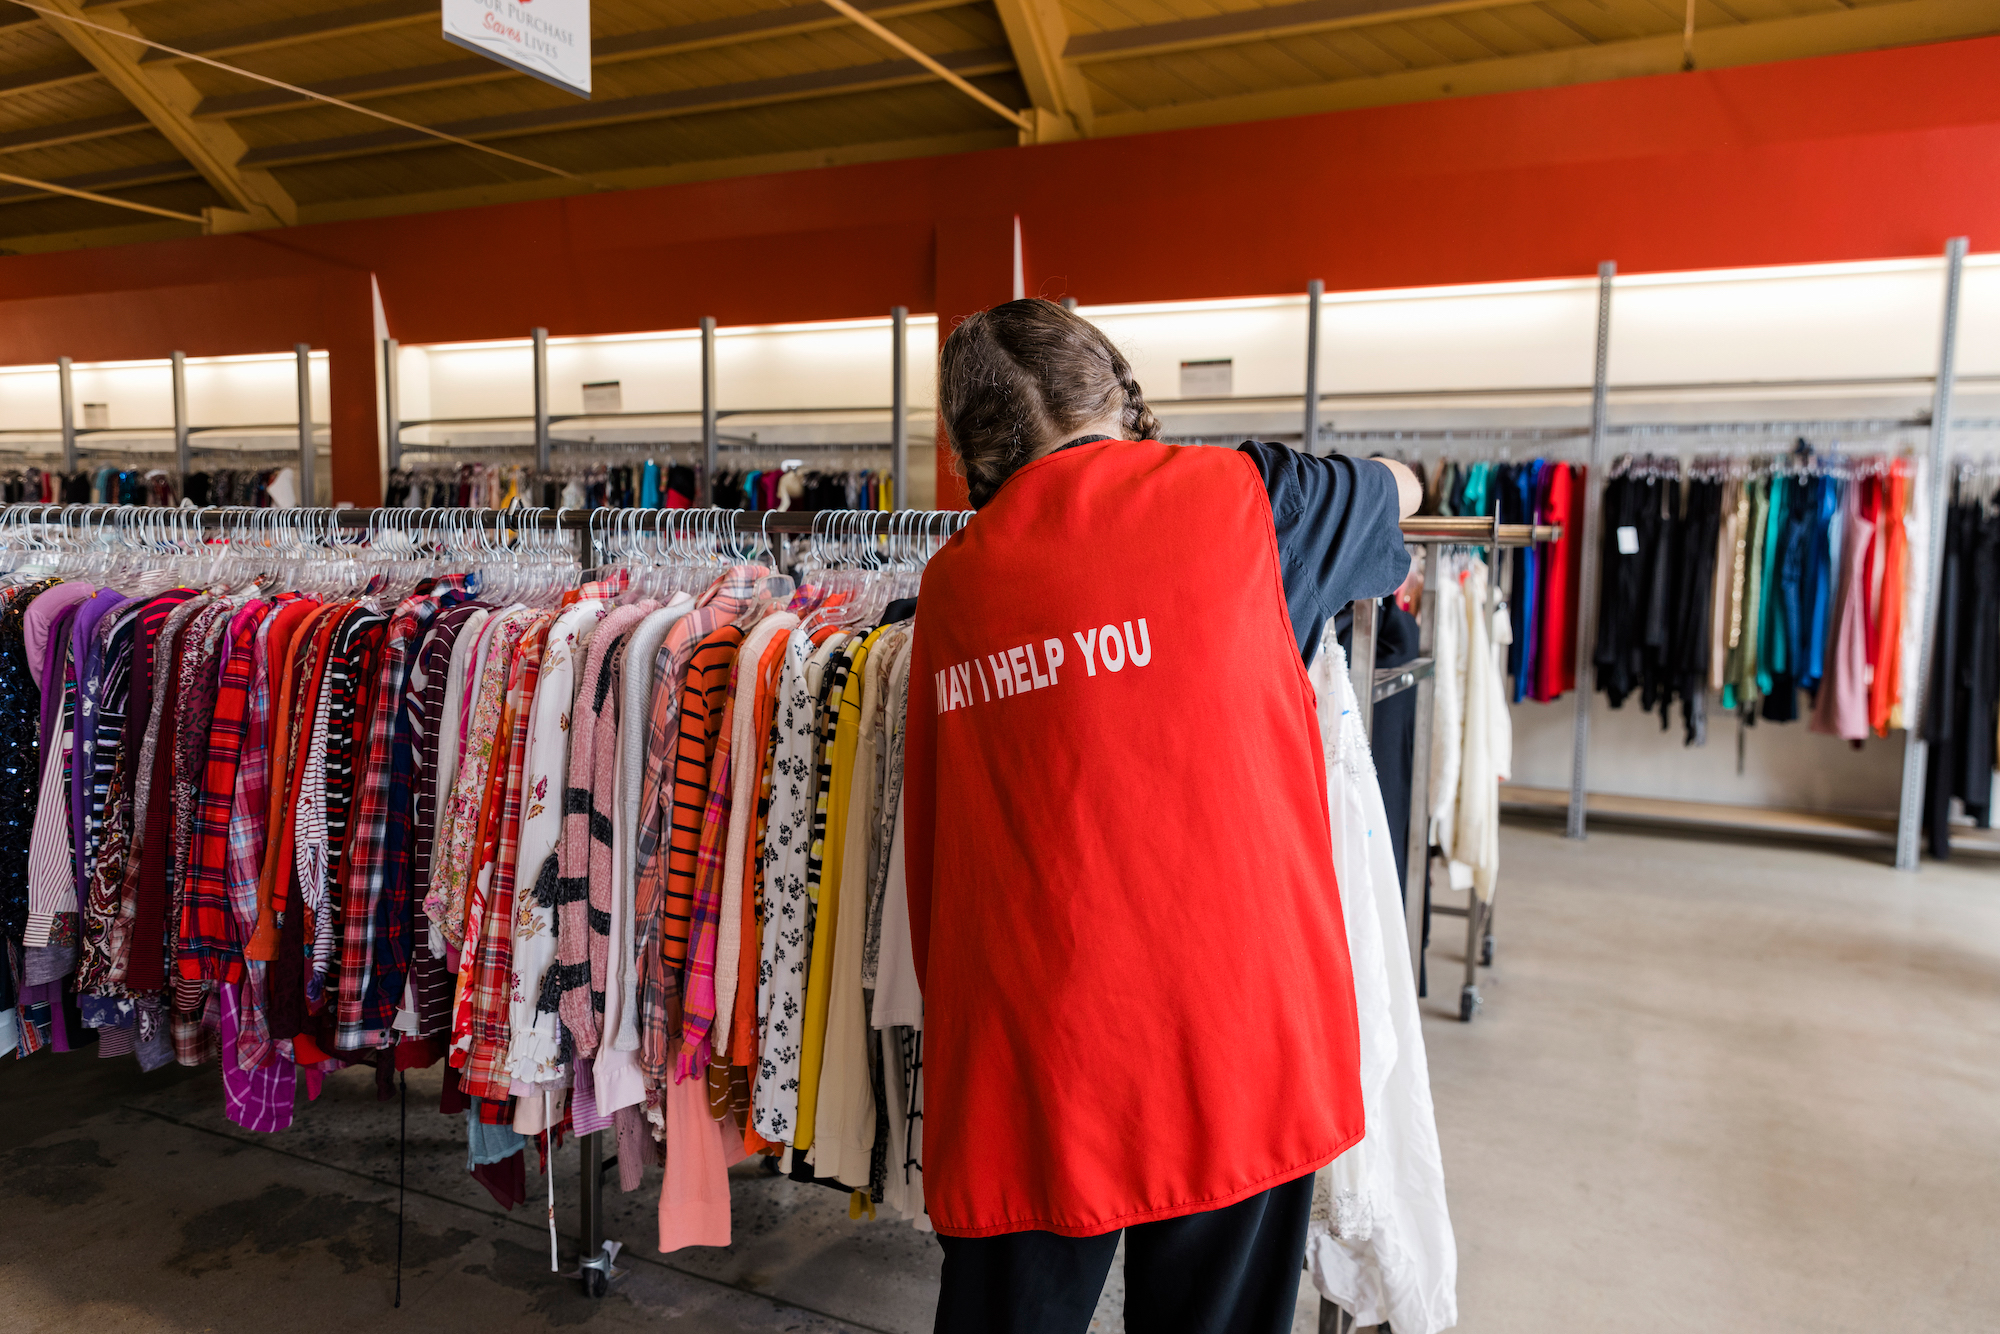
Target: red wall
(1848,157)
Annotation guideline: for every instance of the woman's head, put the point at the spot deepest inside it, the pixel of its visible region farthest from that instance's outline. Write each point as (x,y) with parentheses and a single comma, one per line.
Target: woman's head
(1018,380)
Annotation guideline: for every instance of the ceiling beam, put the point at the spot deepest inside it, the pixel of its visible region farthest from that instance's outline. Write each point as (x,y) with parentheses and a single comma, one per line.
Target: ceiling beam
(1905,22)
(1058,98)
(650,106)
(146,173)
(299,28)
(167,98)
(1253,25)
(72,132)
(677,39)
(47,77)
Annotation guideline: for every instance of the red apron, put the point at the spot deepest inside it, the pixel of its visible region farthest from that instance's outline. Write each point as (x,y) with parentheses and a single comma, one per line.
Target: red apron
(1137,998)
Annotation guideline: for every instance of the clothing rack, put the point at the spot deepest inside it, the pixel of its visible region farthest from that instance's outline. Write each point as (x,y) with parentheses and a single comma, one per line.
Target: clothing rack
(1373,684)
(1938,423)
(183,431)
(597,530)
(711,411)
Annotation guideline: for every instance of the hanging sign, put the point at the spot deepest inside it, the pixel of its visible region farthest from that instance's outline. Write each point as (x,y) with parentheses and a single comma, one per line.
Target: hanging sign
(549,39)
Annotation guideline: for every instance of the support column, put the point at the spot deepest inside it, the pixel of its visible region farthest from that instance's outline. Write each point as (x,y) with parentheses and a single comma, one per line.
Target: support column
(1586,595)
(181,461)
(392,407)
(346,330)
(67,389)
(1310,438)
(308,446)
(975,270)
(541,371)
(711,435)
(1910,810)
(899,404)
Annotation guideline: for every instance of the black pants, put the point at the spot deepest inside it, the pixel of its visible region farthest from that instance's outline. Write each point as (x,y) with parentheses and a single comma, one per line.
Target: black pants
(1228,1271)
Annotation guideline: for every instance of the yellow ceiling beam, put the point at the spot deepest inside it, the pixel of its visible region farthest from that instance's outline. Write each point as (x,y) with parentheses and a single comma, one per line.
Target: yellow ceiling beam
(1058,98)
(1904,23)
(167,98)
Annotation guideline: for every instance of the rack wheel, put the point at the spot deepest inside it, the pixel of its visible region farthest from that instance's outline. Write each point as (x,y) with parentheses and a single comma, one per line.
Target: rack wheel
(1468,1004)
(595,1283)
(1486,952)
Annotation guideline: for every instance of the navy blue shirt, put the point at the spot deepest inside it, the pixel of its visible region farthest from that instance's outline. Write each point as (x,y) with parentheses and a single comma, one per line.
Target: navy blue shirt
(1338,536)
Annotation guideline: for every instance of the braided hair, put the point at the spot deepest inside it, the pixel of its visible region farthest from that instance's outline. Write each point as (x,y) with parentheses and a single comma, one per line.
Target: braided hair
(1020,379)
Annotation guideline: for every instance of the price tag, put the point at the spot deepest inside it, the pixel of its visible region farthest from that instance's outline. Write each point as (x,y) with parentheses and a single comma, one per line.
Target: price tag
(1628,541)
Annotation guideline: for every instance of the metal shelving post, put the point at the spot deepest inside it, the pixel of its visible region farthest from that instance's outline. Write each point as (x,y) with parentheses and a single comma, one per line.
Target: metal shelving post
(1309,442)
(1910,809)
(899,404)
(1586,599)
(711,440)
(392,408)
(1416,862)
(68,391)
(308,455)
(541,339)
(182,463)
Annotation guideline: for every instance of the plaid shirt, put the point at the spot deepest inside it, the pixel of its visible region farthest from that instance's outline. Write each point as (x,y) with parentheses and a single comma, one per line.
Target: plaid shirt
(704,759)
(356,645)
(248,810)
(430,983)
(486,974)
(211,948)
(605,589)
(395,912)
(376,925)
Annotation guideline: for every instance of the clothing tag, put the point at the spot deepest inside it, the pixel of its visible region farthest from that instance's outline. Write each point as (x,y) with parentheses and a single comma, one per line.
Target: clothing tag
(1628,541)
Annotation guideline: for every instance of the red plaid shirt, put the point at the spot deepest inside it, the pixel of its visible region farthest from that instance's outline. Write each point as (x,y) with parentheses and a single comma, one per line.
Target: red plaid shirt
(368,995)
(483,1024)
(211,946)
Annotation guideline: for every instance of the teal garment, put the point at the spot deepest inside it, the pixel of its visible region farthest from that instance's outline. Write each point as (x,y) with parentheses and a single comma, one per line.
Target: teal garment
(1476,499)
(1771,636)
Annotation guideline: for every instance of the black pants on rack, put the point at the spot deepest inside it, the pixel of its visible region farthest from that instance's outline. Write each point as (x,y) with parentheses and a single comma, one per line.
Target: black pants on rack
(1227,1271)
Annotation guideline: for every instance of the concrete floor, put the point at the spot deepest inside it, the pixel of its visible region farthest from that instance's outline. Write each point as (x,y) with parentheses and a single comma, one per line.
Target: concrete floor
(1714,1085)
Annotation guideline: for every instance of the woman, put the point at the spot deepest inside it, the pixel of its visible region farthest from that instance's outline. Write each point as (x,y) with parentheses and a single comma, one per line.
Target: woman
(1138,1010)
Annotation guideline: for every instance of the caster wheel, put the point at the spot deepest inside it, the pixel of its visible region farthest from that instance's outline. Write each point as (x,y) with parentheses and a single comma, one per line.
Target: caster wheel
(1468,1004)
(595,1283)
(1486,953)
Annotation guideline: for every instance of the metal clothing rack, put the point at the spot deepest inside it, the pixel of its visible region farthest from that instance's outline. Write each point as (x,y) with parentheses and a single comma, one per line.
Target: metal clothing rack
(711,411)
(1938,423)
(1373,684)
(183,431)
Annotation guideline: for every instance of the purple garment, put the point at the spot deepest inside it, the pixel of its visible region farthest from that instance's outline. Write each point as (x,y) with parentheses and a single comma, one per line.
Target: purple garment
(259,1099)
(584,1117)
(38,621)
(50,668)
(86,662)
(48,995)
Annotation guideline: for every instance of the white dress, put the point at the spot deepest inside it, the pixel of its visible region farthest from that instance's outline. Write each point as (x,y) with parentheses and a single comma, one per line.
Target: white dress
(1380,1243)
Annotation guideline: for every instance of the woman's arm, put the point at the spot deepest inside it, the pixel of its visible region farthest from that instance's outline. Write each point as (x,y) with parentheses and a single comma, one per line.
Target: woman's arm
(1409,491)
